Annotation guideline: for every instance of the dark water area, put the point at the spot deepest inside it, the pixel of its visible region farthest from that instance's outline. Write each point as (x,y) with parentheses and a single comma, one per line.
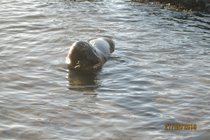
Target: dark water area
(159,72)
(192,5)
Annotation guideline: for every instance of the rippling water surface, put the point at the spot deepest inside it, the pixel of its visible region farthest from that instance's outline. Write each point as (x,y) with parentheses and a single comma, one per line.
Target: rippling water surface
(159,72)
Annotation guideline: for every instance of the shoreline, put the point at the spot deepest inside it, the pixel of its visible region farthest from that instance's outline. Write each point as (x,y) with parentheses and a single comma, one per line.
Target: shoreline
(194,5)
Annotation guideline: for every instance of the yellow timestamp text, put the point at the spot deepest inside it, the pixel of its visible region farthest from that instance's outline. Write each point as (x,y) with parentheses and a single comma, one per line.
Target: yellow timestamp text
(180,126)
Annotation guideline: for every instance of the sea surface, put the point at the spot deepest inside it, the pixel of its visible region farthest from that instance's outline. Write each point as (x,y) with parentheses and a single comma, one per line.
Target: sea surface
(158,74)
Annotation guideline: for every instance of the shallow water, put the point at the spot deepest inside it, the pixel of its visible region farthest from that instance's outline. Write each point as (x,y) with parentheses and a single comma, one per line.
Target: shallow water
(159,72)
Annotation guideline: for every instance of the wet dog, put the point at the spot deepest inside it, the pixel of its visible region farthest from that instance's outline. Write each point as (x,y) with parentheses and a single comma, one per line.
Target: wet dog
(91,55)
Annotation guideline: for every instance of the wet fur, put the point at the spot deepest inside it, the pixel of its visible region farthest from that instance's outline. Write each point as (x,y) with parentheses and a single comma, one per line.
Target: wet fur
(91,55)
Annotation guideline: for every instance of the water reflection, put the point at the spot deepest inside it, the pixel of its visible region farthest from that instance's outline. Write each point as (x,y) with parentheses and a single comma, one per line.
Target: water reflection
(82,81)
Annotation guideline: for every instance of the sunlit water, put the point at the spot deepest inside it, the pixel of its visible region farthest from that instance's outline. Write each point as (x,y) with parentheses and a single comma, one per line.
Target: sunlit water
(159,72)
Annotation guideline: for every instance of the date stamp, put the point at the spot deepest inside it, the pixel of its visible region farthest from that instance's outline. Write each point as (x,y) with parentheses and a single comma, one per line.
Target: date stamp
(180,126)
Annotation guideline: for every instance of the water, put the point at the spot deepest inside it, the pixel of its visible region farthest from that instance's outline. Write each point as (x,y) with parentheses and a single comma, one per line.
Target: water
(159,72)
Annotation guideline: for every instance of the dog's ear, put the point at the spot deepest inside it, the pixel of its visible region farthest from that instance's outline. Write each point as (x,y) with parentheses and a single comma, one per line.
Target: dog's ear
(111,43)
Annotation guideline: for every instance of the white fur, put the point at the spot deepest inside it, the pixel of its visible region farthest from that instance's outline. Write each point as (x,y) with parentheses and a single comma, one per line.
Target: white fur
(101,46)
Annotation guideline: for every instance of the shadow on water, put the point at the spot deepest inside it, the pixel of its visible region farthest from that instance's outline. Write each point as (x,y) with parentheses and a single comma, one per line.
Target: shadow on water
(82,81)
(196,20)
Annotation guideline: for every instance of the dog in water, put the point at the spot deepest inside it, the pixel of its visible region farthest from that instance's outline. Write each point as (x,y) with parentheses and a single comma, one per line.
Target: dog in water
(89,56)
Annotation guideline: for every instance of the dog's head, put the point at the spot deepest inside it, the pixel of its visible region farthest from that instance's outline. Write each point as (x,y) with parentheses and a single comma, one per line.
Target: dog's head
(82,57)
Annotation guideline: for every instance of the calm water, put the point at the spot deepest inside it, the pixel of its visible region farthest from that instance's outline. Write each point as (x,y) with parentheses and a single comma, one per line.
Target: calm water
(159,73)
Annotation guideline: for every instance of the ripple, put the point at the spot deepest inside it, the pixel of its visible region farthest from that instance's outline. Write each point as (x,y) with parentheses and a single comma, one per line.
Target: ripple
(158,73)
